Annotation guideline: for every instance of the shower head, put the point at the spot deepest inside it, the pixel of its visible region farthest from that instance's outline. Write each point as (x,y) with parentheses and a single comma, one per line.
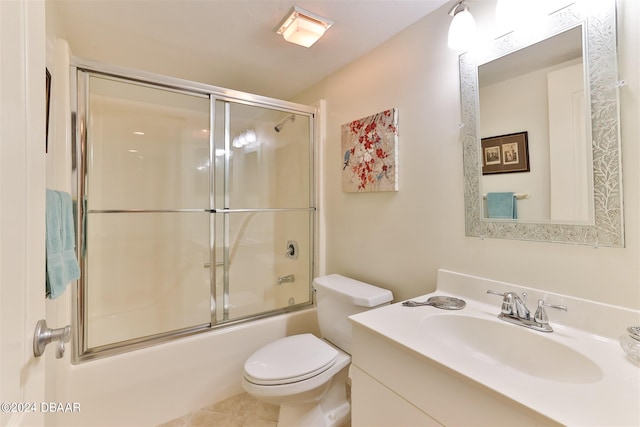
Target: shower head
(280,125)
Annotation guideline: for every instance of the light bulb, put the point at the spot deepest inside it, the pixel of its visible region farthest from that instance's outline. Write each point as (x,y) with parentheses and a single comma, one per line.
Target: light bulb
(462,30)
(250,136)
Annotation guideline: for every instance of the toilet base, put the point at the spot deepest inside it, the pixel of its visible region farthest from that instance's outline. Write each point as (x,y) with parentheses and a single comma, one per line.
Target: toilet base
(333,410)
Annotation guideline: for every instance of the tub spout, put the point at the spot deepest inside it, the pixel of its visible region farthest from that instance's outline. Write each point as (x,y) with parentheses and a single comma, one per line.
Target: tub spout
(289,278)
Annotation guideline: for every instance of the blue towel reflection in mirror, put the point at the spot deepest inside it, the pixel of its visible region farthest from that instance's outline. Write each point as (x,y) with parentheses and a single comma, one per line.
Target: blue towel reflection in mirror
(61,265)
(502,205)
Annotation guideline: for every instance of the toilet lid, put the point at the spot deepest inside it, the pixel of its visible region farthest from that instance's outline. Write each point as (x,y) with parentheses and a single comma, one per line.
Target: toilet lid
(289,360)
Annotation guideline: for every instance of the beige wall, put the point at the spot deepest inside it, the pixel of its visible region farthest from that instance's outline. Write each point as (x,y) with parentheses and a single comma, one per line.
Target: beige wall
(399,240)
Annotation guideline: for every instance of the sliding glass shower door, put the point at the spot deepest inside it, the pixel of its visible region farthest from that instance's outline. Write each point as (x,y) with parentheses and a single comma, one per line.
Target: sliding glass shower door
(263,209)
(196,211)
(147,225)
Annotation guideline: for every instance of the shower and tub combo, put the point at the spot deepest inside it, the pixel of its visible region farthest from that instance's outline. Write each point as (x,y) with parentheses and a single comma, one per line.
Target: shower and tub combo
(189,197)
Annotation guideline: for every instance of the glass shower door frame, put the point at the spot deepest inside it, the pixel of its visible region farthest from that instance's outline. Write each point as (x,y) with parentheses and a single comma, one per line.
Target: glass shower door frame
(226,211)
(79,82)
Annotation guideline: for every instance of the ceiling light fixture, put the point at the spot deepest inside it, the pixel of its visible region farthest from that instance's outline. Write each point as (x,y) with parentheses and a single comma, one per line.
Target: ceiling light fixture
(462,28)
(302,27)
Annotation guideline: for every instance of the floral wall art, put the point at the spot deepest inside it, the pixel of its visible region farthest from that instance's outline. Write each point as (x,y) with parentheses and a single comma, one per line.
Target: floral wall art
(370,153)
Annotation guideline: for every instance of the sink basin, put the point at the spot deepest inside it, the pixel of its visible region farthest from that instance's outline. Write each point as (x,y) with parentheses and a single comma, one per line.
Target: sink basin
(500,343)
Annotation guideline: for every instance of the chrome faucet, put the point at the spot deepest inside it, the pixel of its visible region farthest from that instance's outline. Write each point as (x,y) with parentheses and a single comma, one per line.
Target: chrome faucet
(514,310)
(289,278)
(516,306)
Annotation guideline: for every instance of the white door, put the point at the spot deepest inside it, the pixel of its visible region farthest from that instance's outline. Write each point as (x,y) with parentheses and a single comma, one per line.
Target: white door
(570,162)
(22,195)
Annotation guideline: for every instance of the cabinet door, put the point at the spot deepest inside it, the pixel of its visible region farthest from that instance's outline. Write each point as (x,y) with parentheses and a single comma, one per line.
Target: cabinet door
(374,405)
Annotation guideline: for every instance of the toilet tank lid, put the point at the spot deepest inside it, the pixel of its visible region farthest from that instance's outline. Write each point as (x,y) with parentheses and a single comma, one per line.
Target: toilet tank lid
(358,293)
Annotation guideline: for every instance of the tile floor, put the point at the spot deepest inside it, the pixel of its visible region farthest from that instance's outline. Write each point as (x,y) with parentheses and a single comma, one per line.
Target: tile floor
(238,411)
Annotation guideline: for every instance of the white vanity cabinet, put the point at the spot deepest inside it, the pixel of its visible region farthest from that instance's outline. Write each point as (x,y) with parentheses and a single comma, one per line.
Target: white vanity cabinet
(374,404)
(395,386)
(420,366)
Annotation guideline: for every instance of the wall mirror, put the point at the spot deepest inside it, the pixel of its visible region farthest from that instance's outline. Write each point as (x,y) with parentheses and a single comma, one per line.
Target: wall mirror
(551,97)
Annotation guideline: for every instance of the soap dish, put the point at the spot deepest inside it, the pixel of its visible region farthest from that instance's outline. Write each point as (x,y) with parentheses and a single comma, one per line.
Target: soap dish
(630,343)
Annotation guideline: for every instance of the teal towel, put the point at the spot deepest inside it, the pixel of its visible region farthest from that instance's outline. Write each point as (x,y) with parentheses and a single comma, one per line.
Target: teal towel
(502,205)
(62,264)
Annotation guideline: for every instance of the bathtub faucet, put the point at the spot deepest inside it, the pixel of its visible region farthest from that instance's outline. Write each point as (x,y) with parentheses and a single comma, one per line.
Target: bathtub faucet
(289,278)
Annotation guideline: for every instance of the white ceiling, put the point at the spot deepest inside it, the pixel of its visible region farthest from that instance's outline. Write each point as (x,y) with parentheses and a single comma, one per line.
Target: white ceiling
(231,43)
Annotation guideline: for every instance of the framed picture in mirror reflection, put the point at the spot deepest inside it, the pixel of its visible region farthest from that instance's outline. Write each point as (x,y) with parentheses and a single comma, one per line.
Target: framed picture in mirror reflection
(505,153)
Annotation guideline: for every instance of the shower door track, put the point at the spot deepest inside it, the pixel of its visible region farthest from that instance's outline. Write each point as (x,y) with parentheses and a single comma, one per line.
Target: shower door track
(264,210)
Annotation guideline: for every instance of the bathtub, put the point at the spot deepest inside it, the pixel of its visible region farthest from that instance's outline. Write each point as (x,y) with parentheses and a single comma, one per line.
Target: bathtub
(153,385)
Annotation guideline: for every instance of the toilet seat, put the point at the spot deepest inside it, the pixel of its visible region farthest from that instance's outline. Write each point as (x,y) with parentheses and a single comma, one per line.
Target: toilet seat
(289,360)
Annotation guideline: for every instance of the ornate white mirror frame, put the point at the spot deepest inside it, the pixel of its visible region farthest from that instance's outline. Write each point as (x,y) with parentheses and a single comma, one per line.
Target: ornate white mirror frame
(607,228)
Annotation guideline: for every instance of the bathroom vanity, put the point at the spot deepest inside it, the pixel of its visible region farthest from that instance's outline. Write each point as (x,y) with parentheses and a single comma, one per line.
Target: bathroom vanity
(421,366)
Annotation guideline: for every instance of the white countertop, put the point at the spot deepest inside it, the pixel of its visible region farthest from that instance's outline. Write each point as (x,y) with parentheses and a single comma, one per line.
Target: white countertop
(610,398)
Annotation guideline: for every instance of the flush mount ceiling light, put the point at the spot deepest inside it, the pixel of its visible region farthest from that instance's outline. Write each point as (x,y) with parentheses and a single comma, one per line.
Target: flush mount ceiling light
(303,27)
(462,28)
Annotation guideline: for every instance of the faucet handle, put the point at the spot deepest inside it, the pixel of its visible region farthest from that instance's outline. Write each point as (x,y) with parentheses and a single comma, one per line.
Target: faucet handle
(541,315)
(501,294)
(507,301)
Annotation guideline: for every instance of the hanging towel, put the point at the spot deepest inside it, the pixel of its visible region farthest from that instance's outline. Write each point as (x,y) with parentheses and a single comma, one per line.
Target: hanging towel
(62,264)
(502,205)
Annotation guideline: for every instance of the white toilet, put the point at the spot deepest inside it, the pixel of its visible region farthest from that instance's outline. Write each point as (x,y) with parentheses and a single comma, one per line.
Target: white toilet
(307,375)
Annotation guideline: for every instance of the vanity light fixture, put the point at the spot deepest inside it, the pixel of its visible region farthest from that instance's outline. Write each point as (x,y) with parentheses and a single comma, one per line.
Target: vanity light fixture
(462,28)
(302,27)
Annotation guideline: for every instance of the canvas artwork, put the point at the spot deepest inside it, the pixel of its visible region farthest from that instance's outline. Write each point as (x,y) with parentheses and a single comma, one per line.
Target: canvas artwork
(370,153)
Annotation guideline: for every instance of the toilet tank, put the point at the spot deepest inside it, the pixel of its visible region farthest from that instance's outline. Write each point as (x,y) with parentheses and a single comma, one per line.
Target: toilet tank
(337,298)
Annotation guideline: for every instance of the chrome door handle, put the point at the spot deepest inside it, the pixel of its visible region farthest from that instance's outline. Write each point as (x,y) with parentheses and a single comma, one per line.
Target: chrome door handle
(43,335)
